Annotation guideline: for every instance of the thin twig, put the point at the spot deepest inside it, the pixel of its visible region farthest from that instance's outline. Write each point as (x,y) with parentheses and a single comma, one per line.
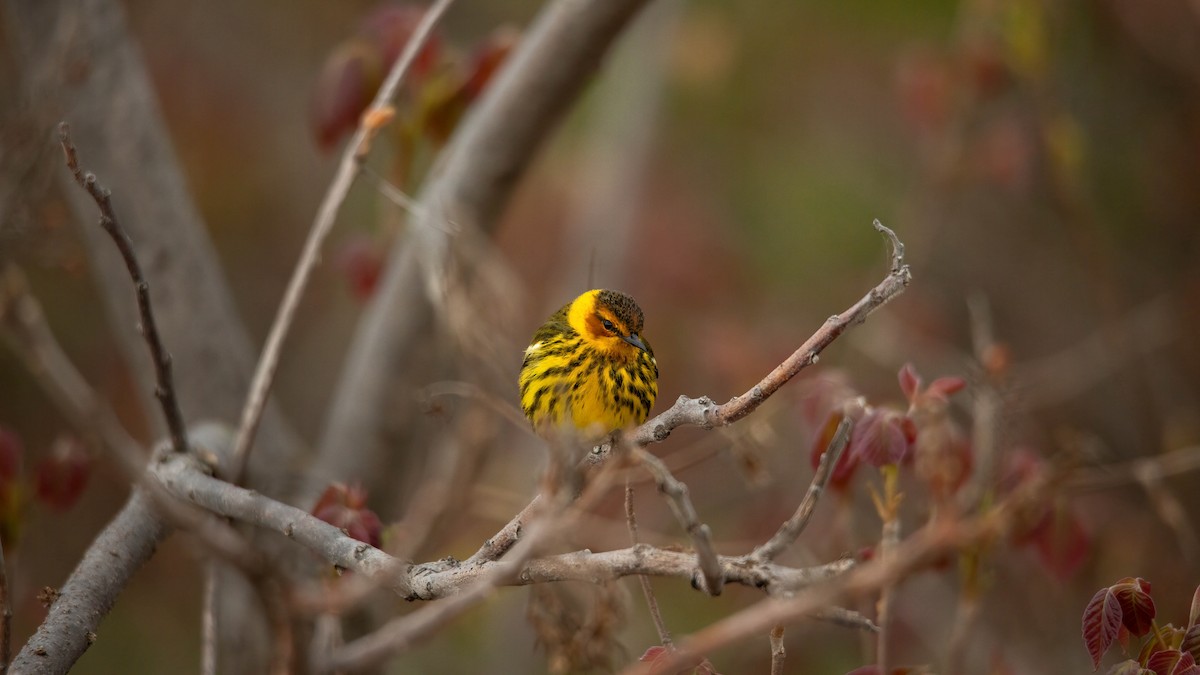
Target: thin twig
(889,540)
(5,616)
(778,653)
(164,390)
(927,545)
(711,579)
(986,411)
(208,621)
(705,413)
(664,635)
(790,530)
(1182,460)
(351,163)
(924,547)
(399,634)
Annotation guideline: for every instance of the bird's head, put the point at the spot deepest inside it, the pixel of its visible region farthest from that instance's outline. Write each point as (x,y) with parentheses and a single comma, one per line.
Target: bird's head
(611,321)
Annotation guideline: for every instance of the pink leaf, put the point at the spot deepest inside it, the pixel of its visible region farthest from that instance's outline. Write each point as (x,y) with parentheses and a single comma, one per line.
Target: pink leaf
(910,381)
(1101,621)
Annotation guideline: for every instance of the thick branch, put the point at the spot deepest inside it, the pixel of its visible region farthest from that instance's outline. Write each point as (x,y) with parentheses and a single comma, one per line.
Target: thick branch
(443,578)
(115,116)
(110,562)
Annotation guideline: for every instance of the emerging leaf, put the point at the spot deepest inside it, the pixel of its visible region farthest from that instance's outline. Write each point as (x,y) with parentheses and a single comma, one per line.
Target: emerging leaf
(345,507)
(348,81)
(1172,662)
(1166,638)
(1194,614)
(1137,607)
(488,58)
(880,438)
(1101,621)
(60,478)
(910,382)
(1191,641)
(361,261)
(847,463)
(1129,668)
(12,494)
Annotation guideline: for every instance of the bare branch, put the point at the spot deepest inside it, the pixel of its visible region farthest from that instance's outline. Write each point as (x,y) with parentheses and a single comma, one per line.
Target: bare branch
(24,326)
(352,159)
(705,413)
(930,543)
(790,530)
(664,635)
(916,552)
(164,391)
(443,578)
(711,579)
(5,617)
(778,653)
(1182,460)
(110,562)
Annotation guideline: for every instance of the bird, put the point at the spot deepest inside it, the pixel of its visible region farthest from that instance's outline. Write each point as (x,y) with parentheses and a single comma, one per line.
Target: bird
(589,371)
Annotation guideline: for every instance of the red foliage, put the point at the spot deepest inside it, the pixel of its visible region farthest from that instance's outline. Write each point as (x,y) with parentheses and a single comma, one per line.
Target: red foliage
(1172,662)
(61,477)
(11,502)
(361,261)
(1101,620)
(882,437)
(353,73)
(345,507)
(1126,608)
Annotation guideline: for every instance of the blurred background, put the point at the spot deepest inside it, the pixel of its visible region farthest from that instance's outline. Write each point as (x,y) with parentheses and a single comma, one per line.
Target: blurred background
(1040,159)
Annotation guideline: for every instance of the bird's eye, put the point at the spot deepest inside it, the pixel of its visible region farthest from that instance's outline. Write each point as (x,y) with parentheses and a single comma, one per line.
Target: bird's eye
(608,325)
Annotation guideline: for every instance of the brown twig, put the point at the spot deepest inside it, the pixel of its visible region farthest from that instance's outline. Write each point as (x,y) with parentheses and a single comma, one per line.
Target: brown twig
(888,542)
(927,545)
(24,326)
(208,622)
(351,163)
(711,579)
(987,406)
(705,413)
(778,653)
(1182,460)
(664,635)
(790,530)
(5,616)
(916,552)
(164,390)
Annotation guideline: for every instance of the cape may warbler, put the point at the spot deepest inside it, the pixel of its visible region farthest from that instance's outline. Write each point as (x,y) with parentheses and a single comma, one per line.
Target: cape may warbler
(588,370)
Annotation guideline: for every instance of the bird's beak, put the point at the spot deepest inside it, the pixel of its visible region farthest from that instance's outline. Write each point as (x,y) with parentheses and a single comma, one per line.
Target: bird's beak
(636,341)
